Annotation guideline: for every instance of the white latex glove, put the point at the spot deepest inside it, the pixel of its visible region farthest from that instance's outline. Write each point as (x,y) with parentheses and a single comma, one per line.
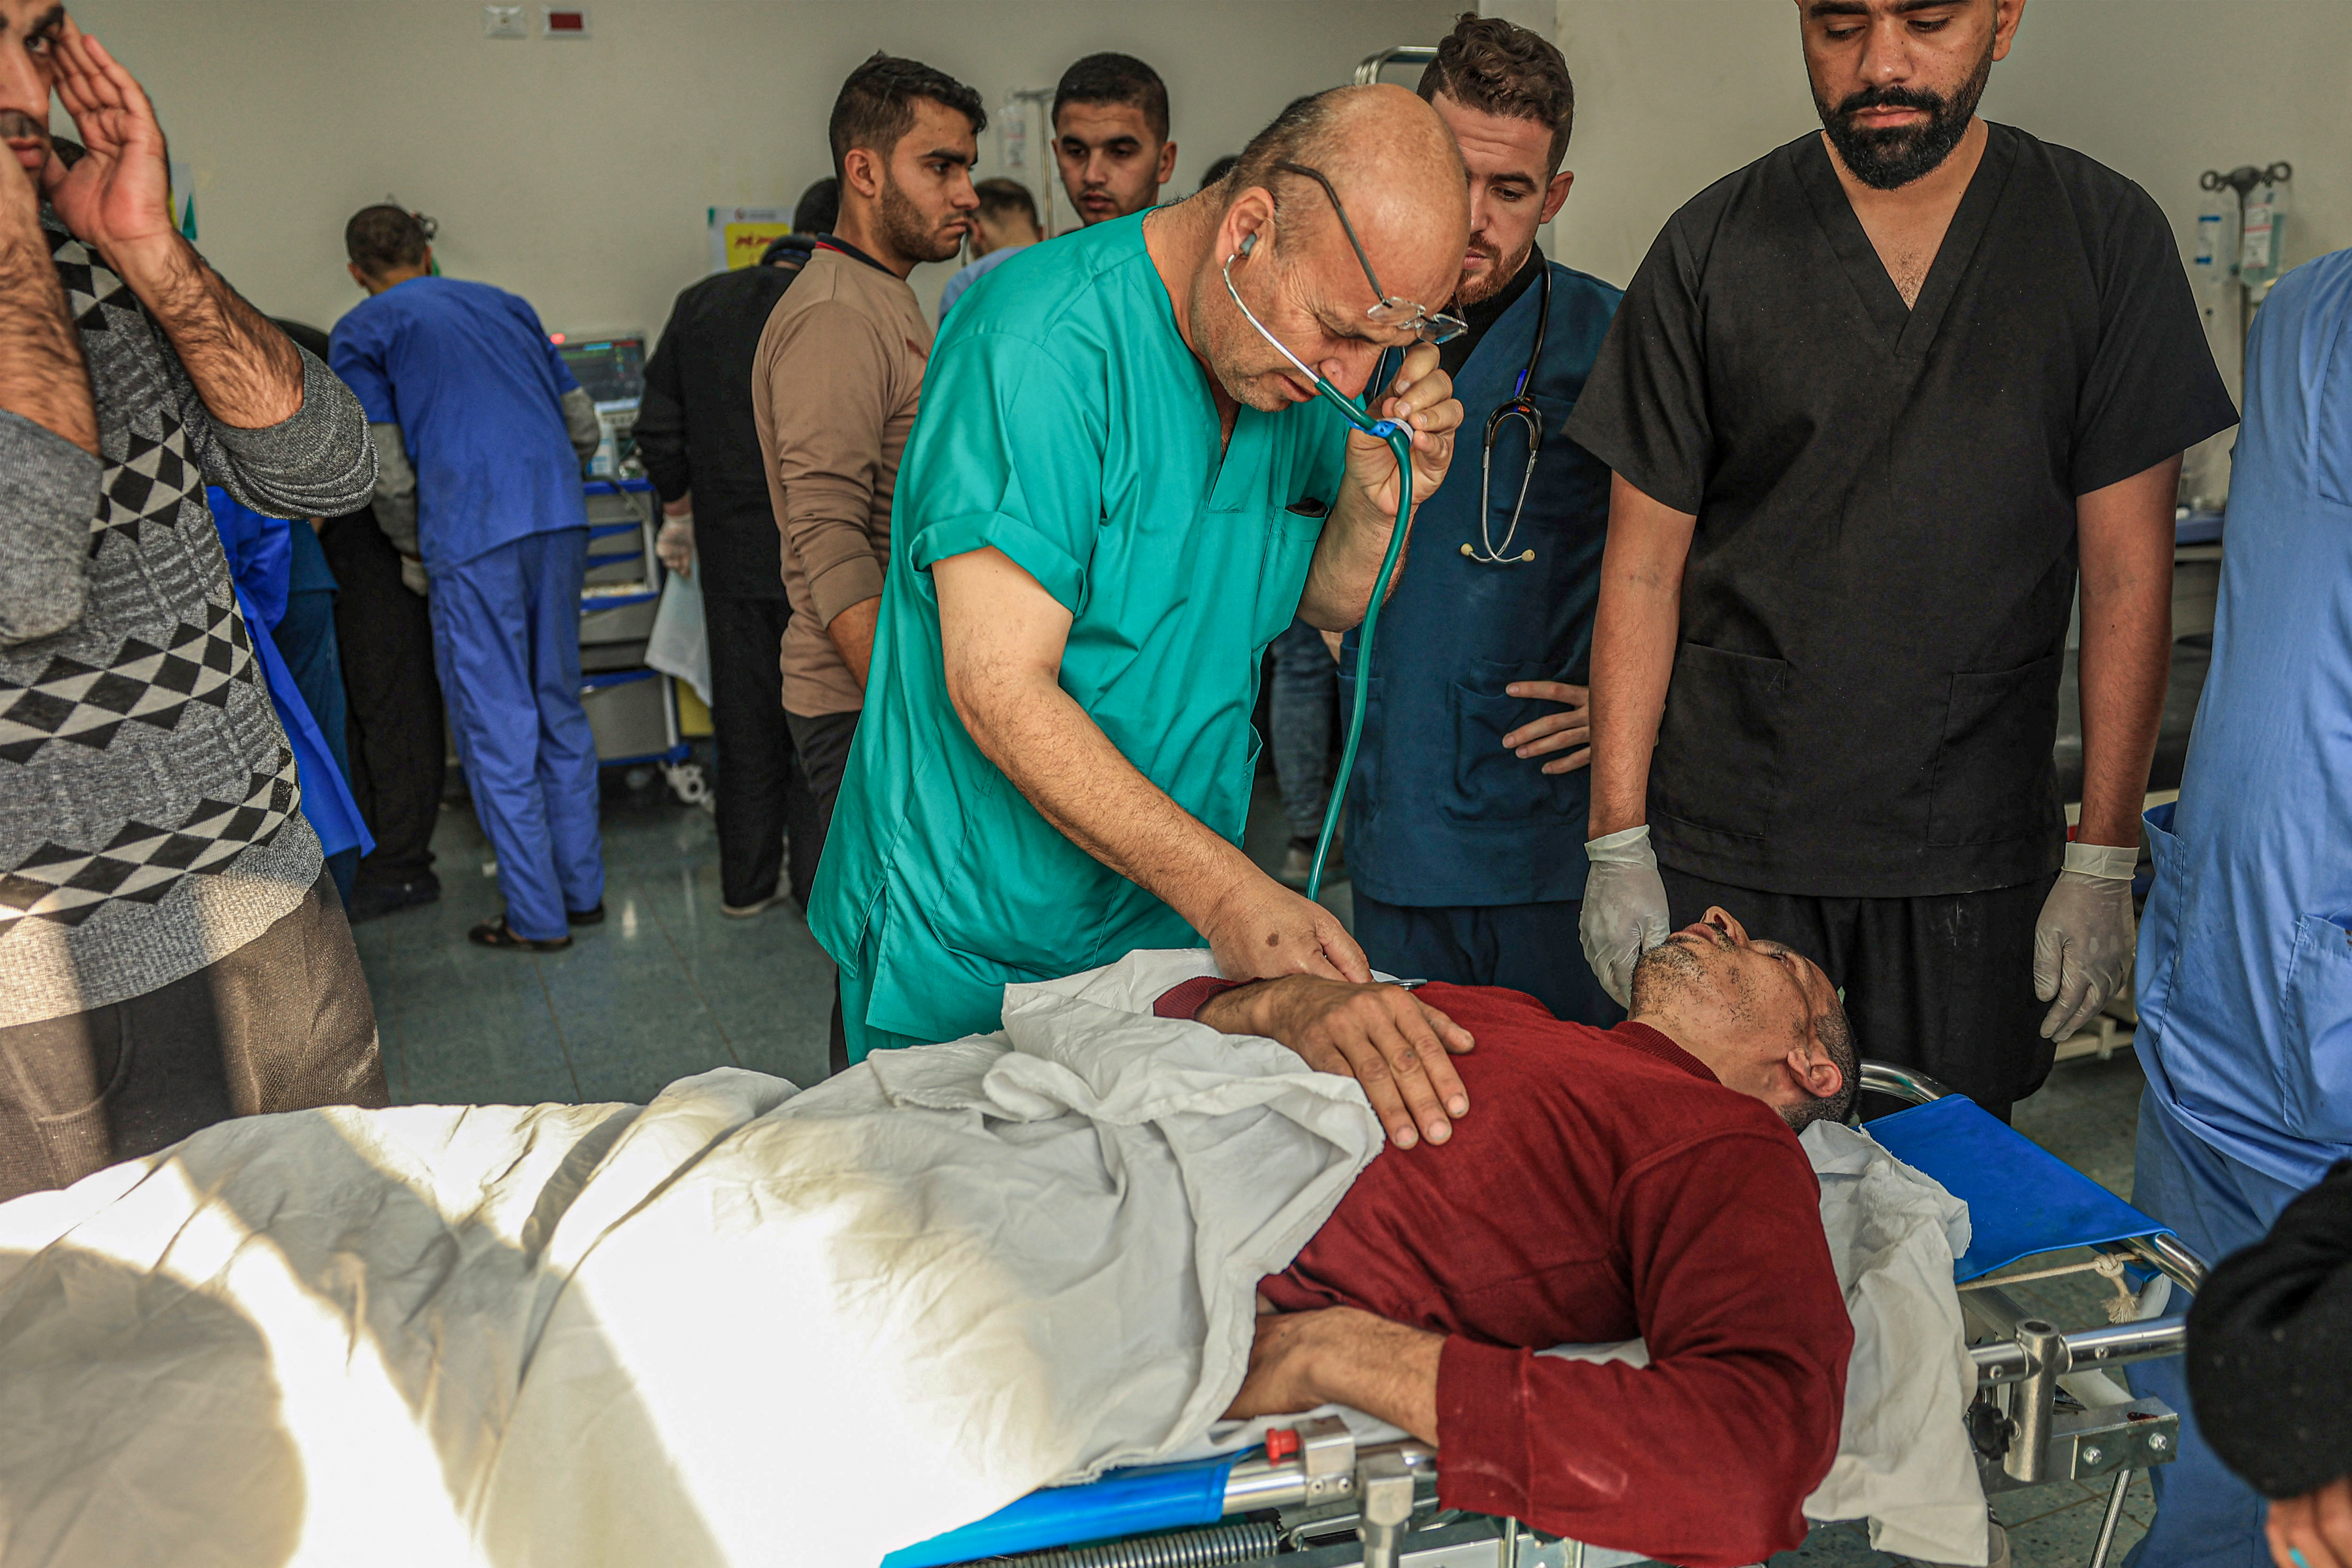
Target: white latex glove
(412,575)
(1624,908)
(2082,940)
(674,543)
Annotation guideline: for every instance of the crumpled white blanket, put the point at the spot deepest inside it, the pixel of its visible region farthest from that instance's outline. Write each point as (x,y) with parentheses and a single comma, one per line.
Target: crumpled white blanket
(741,1325)
(1904,1460)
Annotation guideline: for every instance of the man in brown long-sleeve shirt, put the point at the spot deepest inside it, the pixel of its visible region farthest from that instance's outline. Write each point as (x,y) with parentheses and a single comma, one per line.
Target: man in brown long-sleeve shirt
(836,380)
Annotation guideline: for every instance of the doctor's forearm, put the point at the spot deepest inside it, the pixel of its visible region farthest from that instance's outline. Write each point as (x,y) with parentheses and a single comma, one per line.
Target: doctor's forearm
(2125,533)
(1067,768)
(1347,561)
(1634,632)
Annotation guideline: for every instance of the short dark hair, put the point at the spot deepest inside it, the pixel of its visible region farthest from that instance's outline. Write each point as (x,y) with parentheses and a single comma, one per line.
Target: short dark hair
(1114,79)
(1833,1032)
(876,104)
(819,207)
(1489,65)
(999,197)
(385,238)
(1219,170)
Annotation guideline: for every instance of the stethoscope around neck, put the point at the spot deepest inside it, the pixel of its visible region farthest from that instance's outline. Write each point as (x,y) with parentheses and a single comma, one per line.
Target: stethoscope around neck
(1522,408)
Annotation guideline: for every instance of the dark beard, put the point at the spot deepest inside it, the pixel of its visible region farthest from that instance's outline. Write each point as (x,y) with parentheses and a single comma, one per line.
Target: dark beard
(1500,270)
(909,232)
(1889,160)
(1659,972)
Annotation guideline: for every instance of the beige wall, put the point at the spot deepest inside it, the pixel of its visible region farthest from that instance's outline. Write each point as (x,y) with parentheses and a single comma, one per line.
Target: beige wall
(1673,94)
(578,173)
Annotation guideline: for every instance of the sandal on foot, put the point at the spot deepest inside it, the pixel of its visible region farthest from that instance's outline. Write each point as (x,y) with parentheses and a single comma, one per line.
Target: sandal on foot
(493,932)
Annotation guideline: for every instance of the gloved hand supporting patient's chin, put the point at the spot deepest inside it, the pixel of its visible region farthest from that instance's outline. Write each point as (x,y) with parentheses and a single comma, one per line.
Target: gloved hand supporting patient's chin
(2082,941)
(1624,909)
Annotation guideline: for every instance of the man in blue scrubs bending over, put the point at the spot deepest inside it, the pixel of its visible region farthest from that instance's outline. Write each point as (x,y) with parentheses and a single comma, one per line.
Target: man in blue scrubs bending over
(1118,493)
(481,431)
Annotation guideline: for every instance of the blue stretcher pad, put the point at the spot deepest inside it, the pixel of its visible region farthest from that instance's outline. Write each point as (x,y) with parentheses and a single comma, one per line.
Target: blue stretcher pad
(2022,1199)
(1123,1502)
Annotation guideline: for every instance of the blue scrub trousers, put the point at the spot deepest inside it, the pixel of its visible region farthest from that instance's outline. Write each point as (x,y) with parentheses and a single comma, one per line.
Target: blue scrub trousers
(1300,699)
(305,637)
(1532,948)
(2205,1516)
(506,643)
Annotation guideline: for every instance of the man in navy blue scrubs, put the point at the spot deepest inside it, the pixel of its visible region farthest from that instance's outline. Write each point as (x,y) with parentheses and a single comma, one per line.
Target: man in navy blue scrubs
(1465,832)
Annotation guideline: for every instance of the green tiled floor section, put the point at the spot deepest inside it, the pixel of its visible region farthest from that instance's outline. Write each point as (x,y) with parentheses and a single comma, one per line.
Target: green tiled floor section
(668,986)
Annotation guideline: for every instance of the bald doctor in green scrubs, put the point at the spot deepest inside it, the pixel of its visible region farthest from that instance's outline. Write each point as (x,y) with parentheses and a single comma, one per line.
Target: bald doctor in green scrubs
(1117,494)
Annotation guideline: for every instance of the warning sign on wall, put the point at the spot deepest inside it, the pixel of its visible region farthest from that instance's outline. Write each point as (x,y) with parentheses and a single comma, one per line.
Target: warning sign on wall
(740,236)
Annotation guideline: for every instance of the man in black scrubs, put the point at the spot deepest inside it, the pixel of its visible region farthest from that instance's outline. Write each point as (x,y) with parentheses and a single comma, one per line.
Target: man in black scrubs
(1869,403)
(696,436)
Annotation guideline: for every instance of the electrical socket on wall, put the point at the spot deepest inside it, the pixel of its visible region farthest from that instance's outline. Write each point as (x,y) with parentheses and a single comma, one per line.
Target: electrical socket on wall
(503,22)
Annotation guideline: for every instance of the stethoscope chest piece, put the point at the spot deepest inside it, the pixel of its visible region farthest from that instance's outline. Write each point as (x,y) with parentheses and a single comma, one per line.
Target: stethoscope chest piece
(1522,408)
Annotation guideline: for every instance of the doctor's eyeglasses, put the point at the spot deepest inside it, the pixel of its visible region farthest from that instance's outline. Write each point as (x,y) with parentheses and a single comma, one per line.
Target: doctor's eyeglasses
(1429,326)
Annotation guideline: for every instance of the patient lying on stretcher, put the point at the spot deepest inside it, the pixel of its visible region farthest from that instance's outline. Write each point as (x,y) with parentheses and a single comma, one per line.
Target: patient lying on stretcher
(681,1334)
(1603,1185)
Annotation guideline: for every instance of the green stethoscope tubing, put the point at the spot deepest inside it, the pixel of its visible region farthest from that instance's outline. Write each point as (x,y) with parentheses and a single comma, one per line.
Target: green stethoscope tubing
(1400,440)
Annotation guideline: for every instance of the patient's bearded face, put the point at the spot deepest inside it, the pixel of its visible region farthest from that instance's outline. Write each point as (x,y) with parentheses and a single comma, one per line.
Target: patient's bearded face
(1757,989)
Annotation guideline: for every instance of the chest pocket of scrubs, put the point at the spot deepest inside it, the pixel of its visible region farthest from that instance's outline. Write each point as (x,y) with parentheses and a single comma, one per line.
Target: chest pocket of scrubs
(2314,1057)
(1290,541)
(1492,784)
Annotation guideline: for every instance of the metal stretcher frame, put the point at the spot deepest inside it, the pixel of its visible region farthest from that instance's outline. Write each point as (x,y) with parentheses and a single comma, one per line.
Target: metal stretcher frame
(1337,1505)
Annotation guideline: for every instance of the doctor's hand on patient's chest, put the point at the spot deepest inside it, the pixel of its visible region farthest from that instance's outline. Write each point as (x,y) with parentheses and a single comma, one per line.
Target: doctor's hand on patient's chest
(1385,1037)
(1419,394)
(1570,731)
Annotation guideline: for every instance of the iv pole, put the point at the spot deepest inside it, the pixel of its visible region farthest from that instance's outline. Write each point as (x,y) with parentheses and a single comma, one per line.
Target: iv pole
(2242,180)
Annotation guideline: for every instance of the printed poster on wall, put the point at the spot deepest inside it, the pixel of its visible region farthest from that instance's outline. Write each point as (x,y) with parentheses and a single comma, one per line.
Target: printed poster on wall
(740,236)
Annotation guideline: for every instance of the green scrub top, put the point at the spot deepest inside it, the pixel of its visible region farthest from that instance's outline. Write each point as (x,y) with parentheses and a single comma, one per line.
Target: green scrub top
(1064,422)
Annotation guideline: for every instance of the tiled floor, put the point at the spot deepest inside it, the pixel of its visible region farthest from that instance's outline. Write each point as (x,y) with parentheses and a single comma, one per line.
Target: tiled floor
(668,986)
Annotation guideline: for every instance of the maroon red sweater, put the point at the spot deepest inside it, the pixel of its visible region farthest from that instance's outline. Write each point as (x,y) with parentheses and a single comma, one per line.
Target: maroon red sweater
(1604,1186)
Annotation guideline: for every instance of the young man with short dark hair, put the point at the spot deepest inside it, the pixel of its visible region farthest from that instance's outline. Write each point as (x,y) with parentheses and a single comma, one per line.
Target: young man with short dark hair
(836,379)
(1466,831)
(1006,221)
(1110,136)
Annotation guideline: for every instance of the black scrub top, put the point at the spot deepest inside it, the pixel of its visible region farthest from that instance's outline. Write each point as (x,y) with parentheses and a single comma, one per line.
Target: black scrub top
(1864,696)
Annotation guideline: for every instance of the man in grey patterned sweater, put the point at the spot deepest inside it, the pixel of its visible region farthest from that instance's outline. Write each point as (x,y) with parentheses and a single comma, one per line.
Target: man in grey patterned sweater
(170,951)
